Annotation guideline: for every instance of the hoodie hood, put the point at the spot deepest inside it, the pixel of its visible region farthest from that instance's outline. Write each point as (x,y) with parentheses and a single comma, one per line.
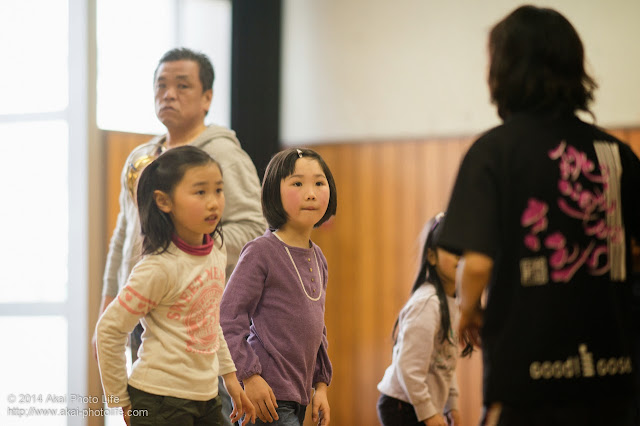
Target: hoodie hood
(214,131)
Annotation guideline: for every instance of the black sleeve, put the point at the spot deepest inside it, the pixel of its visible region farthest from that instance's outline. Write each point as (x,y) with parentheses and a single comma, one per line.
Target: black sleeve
(472,215)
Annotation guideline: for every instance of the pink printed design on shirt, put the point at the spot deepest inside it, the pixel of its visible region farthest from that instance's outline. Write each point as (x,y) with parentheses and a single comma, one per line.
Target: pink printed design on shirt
(202,321)
(134,302)
(566,264)
(574,163)
(591,207)
(198,308)
(534,216)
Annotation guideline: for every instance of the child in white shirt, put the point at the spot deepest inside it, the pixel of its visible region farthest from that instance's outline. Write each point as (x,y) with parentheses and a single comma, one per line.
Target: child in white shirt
(419,386)
(176,289)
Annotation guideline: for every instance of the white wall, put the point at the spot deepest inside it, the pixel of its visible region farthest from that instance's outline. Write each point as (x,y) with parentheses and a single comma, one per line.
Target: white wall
(358,70)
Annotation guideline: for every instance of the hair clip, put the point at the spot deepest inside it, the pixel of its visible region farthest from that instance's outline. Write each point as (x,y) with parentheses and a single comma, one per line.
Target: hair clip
(436,221)
(299,153)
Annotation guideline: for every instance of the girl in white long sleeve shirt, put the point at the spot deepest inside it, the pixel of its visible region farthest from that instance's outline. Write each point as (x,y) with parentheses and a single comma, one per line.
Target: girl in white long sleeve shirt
(176,289)
(419,387)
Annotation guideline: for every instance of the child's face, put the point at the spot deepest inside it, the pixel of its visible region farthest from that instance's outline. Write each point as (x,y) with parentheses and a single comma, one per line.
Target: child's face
(305,194)
(197,203)
(446,264)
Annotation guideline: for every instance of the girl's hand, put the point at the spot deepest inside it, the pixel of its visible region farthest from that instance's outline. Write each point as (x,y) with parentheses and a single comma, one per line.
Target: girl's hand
(454,418)
(436,420)
(320,405)
(125,414)
(262,397)
(242,406)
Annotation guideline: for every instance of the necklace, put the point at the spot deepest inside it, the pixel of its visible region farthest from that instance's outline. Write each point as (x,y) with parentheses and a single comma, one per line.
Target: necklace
(297,272)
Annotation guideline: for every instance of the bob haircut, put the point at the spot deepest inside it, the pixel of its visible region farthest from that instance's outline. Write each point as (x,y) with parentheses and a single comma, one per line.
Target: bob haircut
(537,64)
(281,166)
(164,174)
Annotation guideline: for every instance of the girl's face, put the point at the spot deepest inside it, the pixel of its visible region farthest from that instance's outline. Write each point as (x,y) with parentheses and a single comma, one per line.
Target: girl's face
(446,264)
(305,194)
(196,204)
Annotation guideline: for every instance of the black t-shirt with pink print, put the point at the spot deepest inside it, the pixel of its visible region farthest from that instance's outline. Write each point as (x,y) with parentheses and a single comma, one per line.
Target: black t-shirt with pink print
(554,202)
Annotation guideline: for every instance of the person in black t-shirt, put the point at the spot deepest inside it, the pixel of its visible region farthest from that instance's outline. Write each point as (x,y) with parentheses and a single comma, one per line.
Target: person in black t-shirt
(543,209)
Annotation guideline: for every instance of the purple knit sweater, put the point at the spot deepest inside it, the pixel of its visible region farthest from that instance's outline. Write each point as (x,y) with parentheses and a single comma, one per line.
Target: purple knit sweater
(272,326)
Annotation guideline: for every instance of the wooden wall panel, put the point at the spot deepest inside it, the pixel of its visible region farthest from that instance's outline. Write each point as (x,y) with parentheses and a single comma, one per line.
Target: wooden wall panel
(633,138)
(386,192)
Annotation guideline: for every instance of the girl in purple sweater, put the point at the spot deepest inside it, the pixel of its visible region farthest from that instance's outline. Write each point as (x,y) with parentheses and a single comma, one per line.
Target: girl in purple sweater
(272,310)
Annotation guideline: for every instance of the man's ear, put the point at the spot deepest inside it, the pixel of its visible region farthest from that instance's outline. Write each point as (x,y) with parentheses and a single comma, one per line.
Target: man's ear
(207,97)
(163,201)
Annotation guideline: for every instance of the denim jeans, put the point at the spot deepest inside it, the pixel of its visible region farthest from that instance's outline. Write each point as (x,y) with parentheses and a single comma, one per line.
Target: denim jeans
(225,400)
(135,339)
(290,414)
(158,410)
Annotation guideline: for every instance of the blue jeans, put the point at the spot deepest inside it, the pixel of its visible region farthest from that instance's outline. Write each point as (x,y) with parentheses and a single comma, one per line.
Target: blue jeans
(135,339)
(290,414)
(225,399)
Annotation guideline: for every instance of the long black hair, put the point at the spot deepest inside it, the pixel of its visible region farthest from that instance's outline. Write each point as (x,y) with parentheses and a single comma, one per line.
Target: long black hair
(427,274)
(164,174)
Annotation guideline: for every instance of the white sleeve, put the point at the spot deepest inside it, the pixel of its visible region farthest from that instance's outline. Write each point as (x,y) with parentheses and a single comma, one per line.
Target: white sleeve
(452,402)
(145,287)
(418,329)
(224,356)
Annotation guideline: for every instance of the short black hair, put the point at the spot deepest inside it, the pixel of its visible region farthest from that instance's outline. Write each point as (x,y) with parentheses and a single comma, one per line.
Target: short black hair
(281,166)
(205,68)
(537,64)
